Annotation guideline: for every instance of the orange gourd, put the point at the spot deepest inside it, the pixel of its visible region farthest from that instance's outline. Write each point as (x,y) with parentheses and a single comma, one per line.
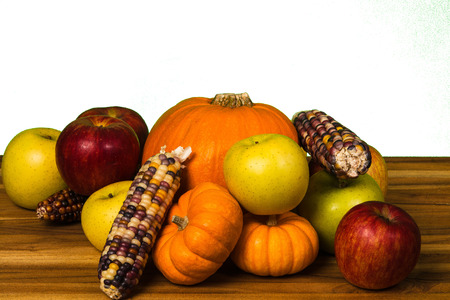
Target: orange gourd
(276,245)
(199,235)
(211,127)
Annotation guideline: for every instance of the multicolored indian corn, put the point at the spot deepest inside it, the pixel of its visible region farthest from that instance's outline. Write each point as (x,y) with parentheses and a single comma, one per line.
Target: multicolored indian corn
(63,206)
(336,148)
(138,222)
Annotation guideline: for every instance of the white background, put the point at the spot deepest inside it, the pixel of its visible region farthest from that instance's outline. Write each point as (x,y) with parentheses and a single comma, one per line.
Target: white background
(382,68)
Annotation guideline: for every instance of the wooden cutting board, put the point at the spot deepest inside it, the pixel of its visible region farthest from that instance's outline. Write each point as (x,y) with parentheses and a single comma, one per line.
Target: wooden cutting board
(42,261)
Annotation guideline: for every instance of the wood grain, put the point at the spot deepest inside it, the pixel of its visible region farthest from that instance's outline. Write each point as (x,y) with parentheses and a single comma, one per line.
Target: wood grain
(42,261)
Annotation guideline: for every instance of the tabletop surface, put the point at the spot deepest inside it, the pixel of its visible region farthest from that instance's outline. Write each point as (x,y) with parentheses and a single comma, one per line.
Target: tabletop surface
(46,261)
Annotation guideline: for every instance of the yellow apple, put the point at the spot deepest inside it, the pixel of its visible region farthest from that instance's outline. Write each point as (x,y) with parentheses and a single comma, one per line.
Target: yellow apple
(267,173)
(100,210)
(29,169)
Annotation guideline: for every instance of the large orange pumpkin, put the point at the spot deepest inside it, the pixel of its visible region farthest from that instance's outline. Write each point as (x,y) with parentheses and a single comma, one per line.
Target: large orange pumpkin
(275,245)
(211,127)
(199,235)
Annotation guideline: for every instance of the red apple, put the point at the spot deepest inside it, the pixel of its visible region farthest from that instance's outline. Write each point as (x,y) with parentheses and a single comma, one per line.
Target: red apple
(377,245)
(377,169)
(128,115)
(94,151)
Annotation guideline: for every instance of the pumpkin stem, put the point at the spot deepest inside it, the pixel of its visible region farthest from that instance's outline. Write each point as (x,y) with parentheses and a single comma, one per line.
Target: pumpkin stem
(232,100)
(180,222)
(272,221)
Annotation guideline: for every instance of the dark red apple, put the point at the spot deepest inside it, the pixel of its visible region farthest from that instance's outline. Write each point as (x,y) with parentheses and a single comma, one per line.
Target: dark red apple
(377,245)
(377,169)
(128,115)
(94,151)
(314,167)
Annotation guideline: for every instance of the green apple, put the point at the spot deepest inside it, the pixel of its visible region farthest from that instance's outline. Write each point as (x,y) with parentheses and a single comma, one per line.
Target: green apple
(29,170)
(100,210)
(267,173)
(328,199)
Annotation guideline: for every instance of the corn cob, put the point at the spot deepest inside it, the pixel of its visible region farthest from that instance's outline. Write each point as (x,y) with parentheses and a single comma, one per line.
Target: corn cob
(138,222)
(336,148)
(63,206)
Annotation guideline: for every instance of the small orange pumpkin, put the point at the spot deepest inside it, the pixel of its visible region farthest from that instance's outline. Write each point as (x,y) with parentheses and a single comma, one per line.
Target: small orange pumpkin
(199,235)
(211,127)
(275,245)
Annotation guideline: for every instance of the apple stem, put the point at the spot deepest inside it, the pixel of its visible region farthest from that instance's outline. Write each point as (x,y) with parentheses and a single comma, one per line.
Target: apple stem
(232,100)
(48,137)
(180,222)
(342,183)
(272,221)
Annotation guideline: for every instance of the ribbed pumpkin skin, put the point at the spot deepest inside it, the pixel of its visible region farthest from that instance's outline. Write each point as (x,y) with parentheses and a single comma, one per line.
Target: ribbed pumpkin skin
(191,255)
(285,248)
(211,130)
